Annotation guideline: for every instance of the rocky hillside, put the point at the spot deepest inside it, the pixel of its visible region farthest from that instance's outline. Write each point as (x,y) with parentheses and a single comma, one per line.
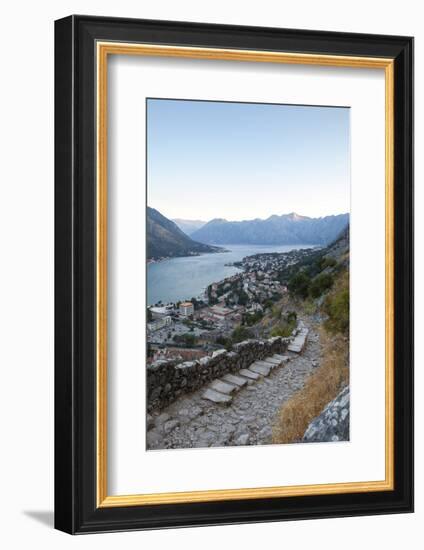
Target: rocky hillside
(278,230)
(165,239)
(333,423)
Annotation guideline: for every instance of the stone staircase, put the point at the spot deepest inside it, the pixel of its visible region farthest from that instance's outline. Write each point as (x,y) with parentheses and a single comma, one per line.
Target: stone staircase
(222,389)
(299,340)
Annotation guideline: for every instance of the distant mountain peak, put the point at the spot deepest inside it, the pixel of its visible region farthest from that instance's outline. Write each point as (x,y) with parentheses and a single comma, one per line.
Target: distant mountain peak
(289,228)
(218,220)
(189,226)
(296,217)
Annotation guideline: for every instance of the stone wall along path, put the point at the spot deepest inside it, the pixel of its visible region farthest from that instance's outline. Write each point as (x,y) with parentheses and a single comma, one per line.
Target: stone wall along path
(168,380)
(245,415)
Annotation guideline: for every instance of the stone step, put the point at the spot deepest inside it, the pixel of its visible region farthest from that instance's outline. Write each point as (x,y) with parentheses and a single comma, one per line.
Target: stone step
(260,369)
(272,361)
(216,396)
(266,363)
(282,358)
(249,374)
(299,342)
(233,379)
(295,349)
(223,387)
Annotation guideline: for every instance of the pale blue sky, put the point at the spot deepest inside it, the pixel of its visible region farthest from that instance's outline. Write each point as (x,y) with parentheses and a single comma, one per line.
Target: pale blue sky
(243,160)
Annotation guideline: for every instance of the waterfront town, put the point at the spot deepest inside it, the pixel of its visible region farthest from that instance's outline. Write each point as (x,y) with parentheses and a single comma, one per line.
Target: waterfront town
(196,327)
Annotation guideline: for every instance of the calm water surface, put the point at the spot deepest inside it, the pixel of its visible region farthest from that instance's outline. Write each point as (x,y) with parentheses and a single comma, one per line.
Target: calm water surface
(184,278)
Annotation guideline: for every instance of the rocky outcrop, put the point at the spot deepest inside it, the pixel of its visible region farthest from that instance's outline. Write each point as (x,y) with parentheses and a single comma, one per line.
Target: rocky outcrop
(333,423)
(167,380)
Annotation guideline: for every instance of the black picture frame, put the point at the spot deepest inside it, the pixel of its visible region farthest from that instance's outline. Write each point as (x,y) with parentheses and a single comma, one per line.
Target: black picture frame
(76,510)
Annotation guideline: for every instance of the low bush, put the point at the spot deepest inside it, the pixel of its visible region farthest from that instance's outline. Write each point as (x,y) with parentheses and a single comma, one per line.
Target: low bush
(251,319)
(227,343)
(286,325)
(320,284)
(282,329)
(241,333)
(336,306)
(276,312)
(299,284)
(188,340)
(327,262)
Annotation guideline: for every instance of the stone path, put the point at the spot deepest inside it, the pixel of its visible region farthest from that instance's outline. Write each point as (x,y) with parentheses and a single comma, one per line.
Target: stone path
(238,409)
(300,339)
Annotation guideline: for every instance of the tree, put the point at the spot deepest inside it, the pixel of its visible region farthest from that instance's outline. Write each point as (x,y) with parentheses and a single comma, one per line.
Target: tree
(243,298)
(241,333)
(268,304)
(251,319)
(188,340)
(299,284)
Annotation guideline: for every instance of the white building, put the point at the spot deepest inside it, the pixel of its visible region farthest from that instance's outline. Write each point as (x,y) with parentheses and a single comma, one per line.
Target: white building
(159,323)
(186,309)
(160,312)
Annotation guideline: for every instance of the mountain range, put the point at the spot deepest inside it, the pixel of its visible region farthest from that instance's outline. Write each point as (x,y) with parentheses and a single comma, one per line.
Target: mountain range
(165,239)
(189,226)
(279,230)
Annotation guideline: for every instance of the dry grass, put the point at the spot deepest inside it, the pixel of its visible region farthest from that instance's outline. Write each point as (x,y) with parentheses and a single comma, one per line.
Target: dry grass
(321,387)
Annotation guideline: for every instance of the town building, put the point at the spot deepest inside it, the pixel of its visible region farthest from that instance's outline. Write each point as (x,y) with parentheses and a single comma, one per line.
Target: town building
(220,313)
(186,309)
(162,311)
(159,324)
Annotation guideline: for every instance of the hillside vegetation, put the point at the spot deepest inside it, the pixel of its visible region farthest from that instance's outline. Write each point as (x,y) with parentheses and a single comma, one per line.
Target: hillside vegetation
(321,290)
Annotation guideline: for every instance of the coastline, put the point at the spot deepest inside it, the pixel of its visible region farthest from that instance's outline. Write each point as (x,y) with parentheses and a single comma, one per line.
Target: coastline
(193,255)
(188,276)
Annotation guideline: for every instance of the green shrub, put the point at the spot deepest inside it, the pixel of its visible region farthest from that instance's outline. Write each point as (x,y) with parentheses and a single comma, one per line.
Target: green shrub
(320,284)
(276,312)
(336,306)
(251,319)
(225,342)
(286,325)
(241,333)
(188,340)
(291,317)
(327,262)
(299,284)
(243,298)
(282,329)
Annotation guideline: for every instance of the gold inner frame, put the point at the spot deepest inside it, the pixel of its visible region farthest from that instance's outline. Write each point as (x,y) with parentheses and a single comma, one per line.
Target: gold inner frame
(103,50)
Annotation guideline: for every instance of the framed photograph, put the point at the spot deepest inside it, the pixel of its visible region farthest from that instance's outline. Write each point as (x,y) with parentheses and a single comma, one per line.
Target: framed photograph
(234,274)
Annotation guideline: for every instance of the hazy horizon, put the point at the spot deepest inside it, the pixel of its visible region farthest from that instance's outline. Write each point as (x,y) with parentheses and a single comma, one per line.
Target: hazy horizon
(244,161)
(244,219)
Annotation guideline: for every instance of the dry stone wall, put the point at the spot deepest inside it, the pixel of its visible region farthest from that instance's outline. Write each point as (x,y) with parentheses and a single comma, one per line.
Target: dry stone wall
(167,380)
